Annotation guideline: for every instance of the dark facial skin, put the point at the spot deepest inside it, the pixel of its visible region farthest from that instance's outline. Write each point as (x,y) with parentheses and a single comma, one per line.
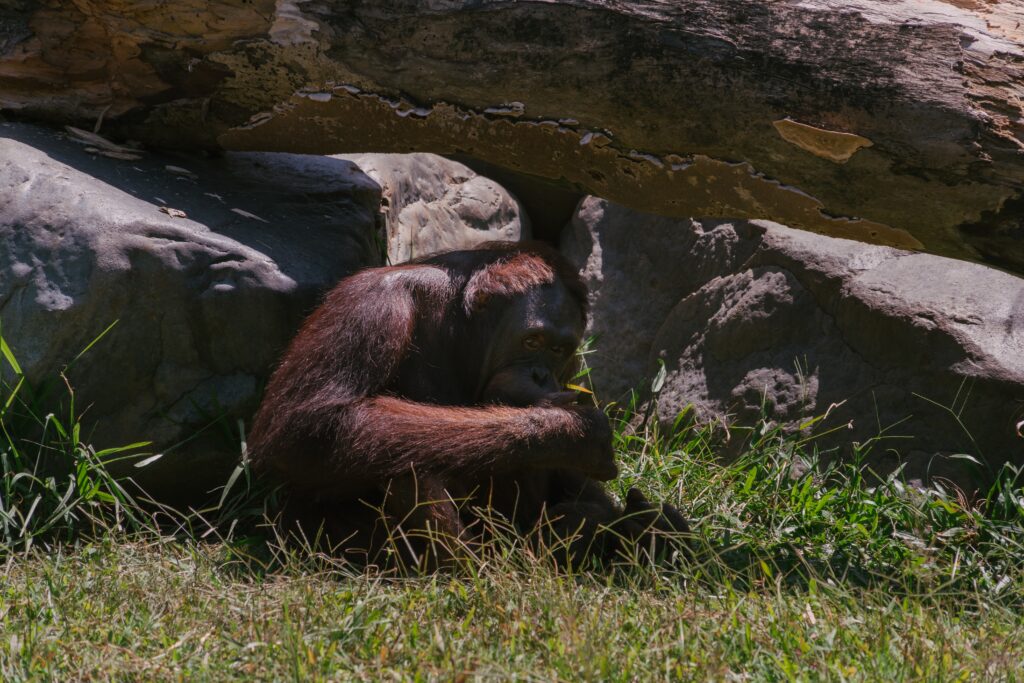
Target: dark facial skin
(533,354)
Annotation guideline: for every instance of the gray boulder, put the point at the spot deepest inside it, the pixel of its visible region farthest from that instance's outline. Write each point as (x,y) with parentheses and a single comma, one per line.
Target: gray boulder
(753,318)
(205,292)
(435,204)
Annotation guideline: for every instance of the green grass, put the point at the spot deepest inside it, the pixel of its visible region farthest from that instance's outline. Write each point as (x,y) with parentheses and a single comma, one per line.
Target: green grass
(144,611)
(53,486)
(778,514)
(801,571)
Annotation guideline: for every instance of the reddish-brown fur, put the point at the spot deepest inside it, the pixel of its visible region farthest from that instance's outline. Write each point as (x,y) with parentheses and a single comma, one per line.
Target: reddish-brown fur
(375,408)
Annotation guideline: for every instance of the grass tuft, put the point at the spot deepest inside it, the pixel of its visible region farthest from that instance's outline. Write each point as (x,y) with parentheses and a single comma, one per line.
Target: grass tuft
(53,486)
(782,514)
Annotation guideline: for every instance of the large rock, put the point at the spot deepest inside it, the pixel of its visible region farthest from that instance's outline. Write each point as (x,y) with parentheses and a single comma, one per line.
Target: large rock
(203,303)
(434,204)
(896,123)
(753,317)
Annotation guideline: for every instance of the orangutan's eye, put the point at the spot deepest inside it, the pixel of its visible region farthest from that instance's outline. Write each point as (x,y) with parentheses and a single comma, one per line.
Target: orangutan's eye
(533,343)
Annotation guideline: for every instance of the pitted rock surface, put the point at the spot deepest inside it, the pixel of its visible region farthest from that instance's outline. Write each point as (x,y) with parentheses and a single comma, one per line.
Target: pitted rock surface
(434,204)
(753,318)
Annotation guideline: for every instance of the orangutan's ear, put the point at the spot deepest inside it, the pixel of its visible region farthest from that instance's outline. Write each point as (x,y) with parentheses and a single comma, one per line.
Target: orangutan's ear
(477,295)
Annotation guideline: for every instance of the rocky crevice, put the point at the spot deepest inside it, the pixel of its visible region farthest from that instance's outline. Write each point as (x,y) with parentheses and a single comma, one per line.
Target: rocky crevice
(589,160)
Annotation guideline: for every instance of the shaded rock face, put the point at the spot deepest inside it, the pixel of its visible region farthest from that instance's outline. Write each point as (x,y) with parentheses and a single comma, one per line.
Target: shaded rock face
(754,316)
(434,204)
(636,277)
(203,304)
